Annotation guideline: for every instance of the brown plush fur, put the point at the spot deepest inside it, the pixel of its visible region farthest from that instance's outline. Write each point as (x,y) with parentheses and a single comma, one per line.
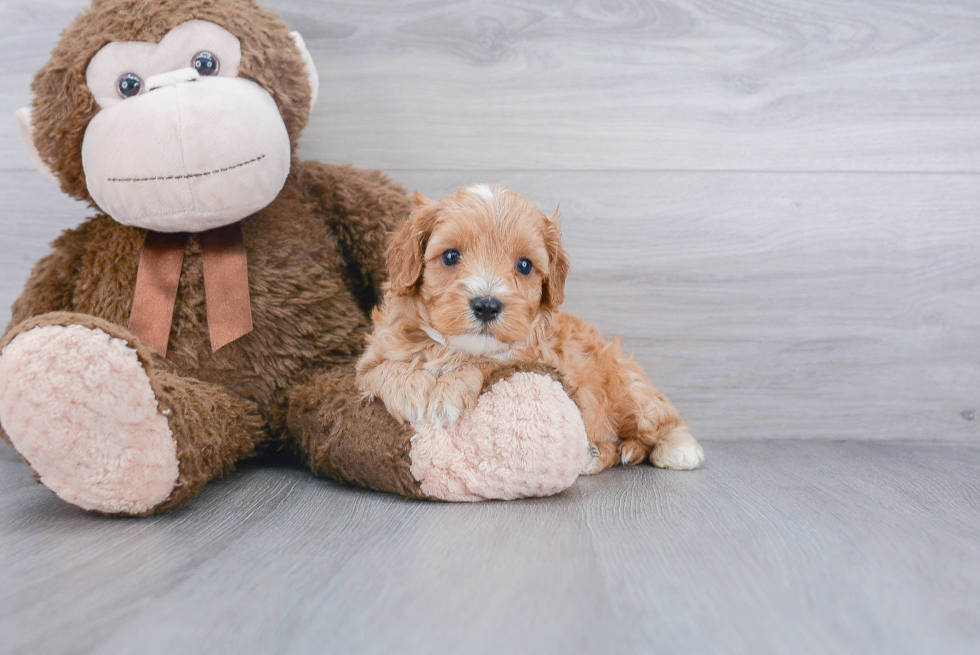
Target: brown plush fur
(429,356)
(315,261)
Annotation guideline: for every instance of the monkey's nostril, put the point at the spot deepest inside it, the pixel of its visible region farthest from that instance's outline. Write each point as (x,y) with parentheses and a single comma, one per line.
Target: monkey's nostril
(486,309)
(172,78)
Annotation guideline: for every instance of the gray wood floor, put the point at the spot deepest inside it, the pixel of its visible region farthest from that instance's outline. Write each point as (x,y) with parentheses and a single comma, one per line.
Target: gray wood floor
(774,201)
(778,547)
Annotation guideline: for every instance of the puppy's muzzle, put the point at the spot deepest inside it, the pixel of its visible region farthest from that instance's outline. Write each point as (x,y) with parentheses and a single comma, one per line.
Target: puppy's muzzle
(486,309)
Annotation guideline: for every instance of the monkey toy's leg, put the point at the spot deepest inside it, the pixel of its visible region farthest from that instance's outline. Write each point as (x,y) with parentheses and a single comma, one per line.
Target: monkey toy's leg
(524,438)
(108,430)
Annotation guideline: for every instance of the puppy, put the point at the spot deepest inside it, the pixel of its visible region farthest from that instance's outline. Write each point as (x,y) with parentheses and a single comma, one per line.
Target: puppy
(475,280)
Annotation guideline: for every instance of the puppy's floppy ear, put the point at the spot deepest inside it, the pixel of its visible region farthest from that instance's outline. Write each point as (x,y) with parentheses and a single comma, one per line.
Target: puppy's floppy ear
(407,248)
(554,285)
(420,200)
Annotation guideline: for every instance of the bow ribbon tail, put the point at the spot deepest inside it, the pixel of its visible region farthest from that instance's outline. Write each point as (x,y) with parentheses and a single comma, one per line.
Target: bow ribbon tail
(226,284)
(156,288)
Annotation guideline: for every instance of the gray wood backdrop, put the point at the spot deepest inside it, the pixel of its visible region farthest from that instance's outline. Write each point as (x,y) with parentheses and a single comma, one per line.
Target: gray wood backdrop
(775,203)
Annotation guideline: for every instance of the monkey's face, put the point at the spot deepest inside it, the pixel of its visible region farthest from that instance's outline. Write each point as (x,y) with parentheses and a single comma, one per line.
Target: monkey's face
(175,139)
(181,143)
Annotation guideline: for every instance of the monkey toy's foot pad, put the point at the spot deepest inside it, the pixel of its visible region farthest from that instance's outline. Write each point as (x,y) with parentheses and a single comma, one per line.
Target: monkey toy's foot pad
(525,438)
(78,406)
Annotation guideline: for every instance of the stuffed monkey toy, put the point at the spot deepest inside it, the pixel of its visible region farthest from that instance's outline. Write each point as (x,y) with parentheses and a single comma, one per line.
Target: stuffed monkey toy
(213,307)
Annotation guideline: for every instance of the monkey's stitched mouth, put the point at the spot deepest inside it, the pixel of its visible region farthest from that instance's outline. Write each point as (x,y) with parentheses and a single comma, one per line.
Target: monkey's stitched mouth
(187,176)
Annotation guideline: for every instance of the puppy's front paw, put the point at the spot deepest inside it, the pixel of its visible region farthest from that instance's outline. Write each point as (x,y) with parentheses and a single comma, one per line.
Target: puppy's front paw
(454,393)
(443,411)
(409,399)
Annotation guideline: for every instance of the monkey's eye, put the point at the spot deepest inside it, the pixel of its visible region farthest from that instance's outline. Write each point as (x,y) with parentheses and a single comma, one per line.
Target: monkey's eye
(205,63)
(524,266)
(129,85)
(450,257)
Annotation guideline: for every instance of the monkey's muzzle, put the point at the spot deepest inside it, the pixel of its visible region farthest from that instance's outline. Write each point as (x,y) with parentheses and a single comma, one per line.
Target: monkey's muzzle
(190,154)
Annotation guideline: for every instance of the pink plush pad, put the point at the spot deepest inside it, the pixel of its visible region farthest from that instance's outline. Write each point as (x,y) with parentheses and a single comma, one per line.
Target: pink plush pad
(525,438)
(78,406)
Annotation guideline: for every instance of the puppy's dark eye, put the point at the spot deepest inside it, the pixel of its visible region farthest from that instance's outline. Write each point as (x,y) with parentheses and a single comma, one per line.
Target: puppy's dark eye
(450,257)
(129,85)
(524,266)
(205,63)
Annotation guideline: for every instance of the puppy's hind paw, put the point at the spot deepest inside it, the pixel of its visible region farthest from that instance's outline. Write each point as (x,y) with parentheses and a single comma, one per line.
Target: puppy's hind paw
(677,450)
(595,462)
(601,457)
(632,452)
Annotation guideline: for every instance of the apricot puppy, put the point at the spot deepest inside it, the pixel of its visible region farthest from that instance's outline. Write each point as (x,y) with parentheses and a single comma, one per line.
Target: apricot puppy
(476,279)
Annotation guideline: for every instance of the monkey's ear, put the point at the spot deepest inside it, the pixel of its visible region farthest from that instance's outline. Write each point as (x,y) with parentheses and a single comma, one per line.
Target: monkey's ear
(310,67)
(26,129)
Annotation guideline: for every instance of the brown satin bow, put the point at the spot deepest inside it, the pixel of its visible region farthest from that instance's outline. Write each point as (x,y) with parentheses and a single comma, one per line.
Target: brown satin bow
(225,286)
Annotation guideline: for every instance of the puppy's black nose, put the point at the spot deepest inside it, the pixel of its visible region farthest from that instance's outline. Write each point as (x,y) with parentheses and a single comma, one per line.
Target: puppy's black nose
(486,309)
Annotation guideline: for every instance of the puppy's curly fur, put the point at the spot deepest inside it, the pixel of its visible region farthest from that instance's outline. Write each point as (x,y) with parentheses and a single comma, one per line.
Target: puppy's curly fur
(475,280)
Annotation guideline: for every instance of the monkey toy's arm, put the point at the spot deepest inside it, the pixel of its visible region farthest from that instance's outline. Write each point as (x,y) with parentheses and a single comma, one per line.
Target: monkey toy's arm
(362,208)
